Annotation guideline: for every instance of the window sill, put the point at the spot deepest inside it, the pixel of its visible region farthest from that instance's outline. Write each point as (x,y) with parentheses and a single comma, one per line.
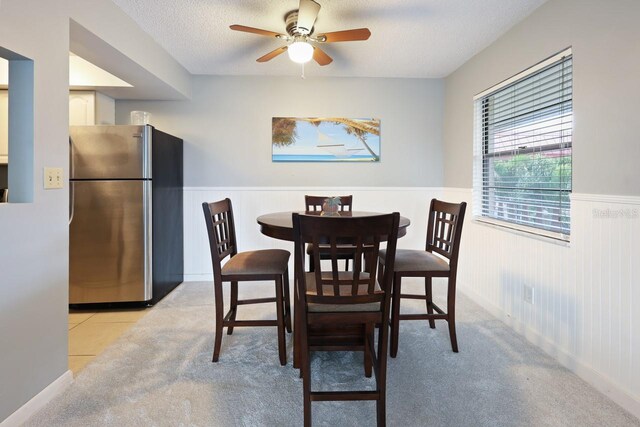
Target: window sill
(554,238)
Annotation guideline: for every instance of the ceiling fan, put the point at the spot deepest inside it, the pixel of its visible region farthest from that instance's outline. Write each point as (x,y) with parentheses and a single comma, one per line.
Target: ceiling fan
(299,28)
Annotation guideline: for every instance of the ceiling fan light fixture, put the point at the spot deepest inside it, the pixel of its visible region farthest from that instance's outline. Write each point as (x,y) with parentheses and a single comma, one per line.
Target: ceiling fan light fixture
(299,24)
(300,51)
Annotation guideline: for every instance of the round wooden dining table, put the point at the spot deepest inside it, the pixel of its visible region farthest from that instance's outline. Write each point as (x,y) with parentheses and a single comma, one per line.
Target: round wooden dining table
(279,225)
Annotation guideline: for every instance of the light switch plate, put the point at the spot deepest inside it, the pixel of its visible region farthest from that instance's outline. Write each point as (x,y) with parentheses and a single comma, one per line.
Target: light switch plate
(53,178)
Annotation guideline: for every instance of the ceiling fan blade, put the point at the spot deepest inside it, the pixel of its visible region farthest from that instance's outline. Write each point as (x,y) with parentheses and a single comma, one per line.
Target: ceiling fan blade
(344,36)
(307,14)
(320,57)
(269,56)
(255,31)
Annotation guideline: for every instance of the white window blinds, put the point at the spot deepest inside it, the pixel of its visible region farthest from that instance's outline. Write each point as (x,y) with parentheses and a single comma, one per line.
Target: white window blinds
(522,149)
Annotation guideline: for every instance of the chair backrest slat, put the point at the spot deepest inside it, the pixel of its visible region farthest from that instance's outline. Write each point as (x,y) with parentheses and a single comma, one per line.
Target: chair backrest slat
(357,266)
(221,230)
(334,265)
(364,236)
(314,203)
(444,228)
(373,262)
(316,261)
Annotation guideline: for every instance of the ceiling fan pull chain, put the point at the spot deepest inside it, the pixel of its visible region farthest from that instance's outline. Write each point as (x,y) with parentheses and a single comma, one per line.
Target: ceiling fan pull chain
(302,76)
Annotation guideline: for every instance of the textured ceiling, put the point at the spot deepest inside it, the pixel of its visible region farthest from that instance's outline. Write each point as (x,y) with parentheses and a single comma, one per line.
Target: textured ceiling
(410,38)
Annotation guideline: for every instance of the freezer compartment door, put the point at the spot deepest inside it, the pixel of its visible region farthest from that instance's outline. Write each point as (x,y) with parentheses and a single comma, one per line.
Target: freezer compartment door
(110,152)
(110,242)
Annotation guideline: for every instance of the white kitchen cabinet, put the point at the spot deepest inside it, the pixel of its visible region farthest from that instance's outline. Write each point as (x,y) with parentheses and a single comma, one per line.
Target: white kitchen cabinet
(4,126)
(91,108)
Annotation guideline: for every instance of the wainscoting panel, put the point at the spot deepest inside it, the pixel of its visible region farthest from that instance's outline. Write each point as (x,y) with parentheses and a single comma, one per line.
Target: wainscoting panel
(584,291)
(249,203)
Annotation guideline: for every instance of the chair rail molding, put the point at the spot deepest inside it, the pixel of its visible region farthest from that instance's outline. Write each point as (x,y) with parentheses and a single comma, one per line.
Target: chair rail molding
(605,198)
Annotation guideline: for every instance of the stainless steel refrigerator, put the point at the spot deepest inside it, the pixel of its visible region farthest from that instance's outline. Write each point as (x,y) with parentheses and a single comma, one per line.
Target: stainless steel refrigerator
(125,214)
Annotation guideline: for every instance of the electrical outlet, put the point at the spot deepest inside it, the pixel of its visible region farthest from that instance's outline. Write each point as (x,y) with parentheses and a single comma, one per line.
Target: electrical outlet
(528,294)
(53,178)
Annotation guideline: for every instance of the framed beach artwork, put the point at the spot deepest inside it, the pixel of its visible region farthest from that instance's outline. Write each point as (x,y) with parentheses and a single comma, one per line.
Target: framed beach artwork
(325,139)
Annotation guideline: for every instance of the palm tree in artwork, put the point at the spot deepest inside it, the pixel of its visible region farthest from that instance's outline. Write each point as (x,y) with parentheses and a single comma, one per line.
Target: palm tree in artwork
(284,130)
(360,129)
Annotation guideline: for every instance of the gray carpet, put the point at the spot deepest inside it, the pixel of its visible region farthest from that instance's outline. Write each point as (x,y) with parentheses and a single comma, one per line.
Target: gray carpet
(159,373)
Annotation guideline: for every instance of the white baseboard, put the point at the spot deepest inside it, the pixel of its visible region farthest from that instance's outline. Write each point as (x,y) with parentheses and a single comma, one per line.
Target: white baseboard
(605,386)
(38,401)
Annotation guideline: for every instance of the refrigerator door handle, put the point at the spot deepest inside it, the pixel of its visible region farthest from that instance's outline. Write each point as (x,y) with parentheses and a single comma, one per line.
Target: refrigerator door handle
(72,201)
(71,175)
(148,238)
(71,183)
(145,139)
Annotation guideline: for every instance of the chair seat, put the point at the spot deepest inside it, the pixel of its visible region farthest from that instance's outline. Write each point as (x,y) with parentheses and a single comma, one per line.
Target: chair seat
(267,261)
(344,290)
(416,260)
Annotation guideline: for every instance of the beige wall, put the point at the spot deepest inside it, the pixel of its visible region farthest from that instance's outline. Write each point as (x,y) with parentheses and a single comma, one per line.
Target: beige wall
(34,236)
(606,56)
(227,129)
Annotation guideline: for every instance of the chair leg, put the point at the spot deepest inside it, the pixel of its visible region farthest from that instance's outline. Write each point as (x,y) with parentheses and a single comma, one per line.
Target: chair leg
(395,314)
(381,378)
(368,360)
(287,300)
(219,320)
(381,413)
(305,372)
(451,314)
(282,344)
(429,294)
(234,306)
(296,327)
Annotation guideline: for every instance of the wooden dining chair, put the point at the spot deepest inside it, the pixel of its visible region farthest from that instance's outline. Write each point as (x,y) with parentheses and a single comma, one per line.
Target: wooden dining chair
(439,259)
(266,264)
(351,302)
(314,204)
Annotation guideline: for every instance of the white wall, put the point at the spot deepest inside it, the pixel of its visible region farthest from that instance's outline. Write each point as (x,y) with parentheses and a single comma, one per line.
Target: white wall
(227,129)
(583,312)
(34,236)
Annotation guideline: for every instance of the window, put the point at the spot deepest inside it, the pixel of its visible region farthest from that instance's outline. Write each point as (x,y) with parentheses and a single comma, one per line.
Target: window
(522,149)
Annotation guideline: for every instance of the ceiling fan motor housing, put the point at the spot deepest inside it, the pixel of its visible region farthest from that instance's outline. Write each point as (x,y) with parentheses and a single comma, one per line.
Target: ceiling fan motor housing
(291,21)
